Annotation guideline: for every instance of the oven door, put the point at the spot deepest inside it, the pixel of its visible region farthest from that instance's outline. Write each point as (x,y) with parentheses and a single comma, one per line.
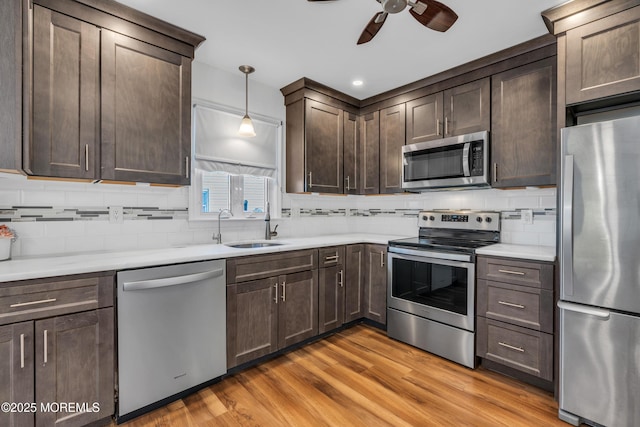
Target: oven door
(437,289)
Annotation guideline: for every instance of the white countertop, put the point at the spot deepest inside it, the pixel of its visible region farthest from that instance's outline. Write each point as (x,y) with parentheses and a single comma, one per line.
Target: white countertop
(51,266)
(528,252)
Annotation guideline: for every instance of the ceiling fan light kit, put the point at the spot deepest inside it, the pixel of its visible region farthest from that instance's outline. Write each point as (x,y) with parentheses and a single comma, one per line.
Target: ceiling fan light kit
(430,13)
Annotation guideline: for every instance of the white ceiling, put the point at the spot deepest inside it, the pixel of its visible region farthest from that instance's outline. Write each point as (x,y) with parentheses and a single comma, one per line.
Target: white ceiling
(288,39)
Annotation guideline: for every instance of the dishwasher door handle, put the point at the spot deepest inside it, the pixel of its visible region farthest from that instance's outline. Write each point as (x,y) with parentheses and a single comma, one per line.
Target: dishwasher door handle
(142,285)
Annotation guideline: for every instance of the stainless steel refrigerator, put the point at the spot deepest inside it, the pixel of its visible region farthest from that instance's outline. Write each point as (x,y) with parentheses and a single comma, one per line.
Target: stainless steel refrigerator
(600,274)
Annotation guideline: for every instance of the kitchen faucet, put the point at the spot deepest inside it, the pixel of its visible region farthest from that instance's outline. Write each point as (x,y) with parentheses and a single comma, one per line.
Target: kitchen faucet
(268,234)
(218,237)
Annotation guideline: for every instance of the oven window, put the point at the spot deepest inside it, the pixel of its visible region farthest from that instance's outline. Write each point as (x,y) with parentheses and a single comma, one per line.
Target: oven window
(434,285)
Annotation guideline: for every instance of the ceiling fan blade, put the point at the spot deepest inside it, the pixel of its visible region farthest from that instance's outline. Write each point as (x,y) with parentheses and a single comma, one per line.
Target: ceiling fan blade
(436,16)
(372,27)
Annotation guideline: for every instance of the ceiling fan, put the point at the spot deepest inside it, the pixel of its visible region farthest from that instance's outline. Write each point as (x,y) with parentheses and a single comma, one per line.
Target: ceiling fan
(430,13)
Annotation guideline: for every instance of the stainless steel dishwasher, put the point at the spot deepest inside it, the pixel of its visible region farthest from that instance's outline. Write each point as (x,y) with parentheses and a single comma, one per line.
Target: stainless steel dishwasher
(171,332)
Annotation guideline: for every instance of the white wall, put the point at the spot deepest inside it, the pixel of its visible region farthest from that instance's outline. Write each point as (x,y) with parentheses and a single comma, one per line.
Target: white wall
(211,84)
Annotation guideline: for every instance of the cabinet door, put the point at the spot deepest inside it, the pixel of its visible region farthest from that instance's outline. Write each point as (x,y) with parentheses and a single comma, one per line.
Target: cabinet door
(251,320)
(298,307)
(392,134)
(424,118)
(65,100)
(603,57)
(467,108)
(146,115)
(523,140)
(16,372)
(375,291)
(330,298)
(370,154)
(74,357)
(351,154)
(323,147)
(354,283)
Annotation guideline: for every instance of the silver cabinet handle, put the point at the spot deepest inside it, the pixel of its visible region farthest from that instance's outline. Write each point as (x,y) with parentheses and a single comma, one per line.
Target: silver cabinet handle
(186,167)
(446,126)
(45,345)
(348,186)
(23,304)
(340,278)
(86,157)
(275,299)
(511,347)
(284,291)
(331,258)
(21,350)
(310,182)
(495,172)
(510,304)
(381,259)
(517,273)
(142,285)
(437,127)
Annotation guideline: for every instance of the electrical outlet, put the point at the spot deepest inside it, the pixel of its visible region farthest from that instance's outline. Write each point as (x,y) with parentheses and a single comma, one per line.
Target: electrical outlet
(526,216)
(116,214)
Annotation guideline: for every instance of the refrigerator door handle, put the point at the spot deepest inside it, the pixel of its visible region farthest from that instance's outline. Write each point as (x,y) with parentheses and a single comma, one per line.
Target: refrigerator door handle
(567,226)
(601,313)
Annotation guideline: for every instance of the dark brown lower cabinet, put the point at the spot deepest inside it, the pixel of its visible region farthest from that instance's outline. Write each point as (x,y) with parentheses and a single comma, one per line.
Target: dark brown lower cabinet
(16,372)
(330,298)
(354,270)
(268,314)
(375,289)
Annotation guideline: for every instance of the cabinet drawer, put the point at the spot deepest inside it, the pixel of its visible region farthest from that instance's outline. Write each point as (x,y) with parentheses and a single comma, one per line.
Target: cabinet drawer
(328,257)
(524,273)
(521,305)
(256,267)
(37,299)
(520,348)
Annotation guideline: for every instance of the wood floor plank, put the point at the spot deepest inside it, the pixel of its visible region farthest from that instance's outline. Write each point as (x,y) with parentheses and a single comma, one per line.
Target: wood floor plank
(360,378)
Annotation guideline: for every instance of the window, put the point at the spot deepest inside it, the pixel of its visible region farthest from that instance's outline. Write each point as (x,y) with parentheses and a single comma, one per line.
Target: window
(245,195)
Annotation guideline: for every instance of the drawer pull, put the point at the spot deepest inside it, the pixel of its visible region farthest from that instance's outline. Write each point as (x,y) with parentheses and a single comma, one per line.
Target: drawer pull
(331,258)
(21,351)
(340,278)
(45,346)
(276,297)
(510,304)
(517,273)
(511,347)
(284,291)
(23,304)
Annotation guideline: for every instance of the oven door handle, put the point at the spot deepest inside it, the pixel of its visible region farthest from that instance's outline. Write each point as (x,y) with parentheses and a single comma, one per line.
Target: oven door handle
(456,260)
(465,159)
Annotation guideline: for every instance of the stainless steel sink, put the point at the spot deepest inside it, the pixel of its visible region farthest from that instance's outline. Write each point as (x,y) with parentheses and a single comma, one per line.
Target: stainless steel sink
(245,245)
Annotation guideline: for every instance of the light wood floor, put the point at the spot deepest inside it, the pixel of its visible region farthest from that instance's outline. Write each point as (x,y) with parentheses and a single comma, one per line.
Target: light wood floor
(359,377)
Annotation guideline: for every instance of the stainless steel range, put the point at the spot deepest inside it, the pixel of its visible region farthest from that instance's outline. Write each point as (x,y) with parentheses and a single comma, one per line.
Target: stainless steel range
(431,293)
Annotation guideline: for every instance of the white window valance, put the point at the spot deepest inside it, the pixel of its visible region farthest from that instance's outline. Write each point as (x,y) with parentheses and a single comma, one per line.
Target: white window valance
(217,147)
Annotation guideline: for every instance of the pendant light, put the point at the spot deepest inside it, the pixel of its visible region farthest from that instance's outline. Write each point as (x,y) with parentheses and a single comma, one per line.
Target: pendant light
(246,126)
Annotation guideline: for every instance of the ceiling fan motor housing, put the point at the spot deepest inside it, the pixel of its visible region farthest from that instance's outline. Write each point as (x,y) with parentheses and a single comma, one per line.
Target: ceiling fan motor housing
(394,6)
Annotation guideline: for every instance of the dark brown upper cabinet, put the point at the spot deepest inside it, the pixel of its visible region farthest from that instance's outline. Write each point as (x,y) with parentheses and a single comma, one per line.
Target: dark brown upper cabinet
(603,57)
(146,119)
(392,137)
(467,108)
(351,141)
(425,118)
(66,95)
(323,147)
(523,152)
(106,92)
(370,153)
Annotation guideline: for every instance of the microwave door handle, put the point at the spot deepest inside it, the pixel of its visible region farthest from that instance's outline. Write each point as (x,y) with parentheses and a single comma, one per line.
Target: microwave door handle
(465,158)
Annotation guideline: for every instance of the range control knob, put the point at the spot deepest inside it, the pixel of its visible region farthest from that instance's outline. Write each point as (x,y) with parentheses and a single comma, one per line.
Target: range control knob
(488,219)
(479,219)
(425,218)
(432,218)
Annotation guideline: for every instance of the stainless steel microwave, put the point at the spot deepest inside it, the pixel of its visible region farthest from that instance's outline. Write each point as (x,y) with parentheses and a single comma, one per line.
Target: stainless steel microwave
(454,162)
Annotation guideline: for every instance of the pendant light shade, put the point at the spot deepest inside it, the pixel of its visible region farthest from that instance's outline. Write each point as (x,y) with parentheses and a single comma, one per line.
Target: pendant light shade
(246,126)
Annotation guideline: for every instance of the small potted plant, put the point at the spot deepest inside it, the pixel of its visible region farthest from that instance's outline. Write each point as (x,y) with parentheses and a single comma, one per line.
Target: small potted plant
(7,236)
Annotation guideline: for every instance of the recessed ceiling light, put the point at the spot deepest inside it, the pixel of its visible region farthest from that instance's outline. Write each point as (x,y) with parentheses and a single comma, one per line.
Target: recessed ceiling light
(357,82)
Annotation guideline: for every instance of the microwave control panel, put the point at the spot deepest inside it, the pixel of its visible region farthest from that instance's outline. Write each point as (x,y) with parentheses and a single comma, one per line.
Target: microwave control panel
(477,159)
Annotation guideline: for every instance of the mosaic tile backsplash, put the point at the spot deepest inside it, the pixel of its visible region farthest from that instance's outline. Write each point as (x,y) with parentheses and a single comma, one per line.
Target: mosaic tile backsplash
(51,213)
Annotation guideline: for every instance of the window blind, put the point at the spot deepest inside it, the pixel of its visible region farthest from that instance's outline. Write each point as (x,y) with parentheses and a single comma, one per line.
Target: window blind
(219,148)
